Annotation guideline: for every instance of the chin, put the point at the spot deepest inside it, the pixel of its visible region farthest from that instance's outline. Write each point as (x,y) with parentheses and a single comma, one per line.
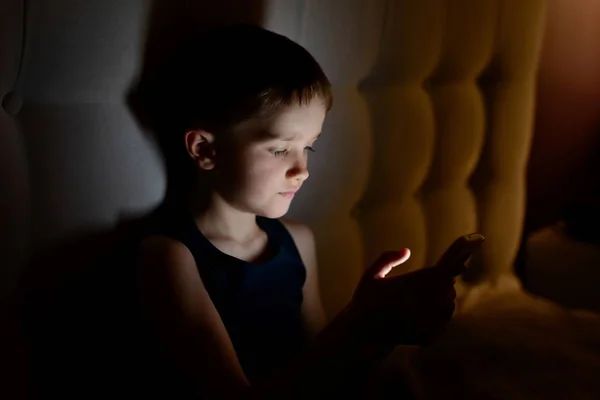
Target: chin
(273,212)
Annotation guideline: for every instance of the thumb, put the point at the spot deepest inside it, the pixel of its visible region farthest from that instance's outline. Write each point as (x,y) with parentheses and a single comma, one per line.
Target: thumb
(387,261)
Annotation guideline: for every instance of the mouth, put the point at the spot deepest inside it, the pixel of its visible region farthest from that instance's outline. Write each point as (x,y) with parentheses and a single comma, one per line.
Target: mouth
(288,195)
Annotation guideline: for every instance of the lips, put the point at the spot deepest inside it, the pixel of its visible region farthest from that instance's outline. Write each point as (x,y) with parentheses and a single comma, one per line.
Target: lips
(289,194)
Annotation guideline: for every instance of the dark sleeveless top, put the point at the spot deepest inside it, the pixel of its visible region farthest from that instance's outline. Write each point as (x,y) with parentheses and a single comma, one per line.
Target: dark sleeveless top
(106,344)
(259,303)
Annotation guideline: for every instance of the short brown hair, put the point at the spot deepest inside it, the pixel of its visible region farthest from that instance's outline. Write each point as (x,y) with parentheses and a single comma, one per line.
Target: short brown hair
(221,77)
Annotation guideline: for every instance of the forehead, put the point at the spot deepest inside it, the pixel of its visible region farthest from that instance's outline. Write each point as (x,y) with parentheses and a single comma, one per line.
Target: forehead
(294,122)
(304,121)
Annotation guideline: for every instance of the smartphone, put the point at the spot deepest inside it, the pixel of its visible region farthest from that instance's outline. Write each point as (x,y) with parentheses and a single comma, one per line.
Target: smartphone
(459,252)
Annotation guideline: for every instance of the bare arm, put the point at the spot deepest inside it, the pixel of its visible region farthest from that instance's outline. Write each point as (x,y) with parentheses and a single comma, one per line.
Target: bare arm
(177,299)
(312,308)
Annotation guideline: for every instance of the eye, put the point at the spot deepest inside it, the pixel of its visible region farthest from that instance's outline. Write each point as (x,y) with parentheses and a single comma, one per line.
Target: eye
(279,152)
(309,148)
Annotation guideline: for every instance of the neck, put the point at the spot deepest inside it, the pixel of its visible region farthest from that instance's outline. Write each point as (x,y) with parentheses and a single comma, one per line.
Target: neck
(218,219)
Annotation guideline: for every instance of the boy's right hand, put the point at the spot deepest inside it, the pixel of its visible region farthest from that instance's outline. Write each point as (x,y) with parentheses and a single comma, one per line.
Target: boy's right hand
(410,309)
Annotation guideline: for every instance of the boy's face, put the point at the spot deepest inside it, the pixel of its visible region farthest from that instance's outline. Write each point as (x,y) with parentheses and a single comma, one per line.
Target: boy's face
(266,166)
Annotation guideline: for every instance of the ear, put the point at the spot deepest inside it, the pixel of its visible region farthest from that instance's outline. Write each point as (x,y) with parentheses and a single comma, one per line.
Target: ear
(200,146)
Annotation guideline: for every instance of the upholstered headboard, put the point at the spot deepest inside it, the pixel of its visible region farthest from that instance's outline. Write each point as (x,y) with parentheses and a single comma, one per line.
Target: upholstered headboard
(451,101)
(430,129)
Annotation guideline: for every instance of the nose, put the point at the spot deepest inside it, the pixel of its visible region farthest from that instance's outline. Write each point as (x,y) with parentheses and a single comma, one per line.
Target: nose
(299,170)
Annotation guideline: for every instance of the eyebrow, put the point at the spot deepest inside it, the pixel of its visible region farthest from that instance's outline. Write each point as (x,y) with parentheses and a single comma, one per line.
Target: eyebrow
(266,136)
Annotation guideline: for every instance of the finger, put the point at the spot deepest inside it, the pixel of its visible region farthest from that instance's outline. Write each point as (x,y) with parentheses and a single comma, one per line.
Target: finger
(452,293)
(448,271)
(387,261)
(454,258)
(382,266)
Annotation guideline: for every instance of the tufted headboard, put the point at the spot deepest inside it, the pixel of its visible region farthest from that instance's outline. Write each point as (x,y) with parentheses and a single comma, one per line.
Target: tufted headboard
(428,138)
(451,101)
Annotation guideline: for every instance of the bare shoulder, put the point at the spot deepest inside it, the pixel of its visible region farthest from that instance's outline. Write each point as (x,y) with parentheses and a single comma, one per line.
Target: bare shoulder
(302,234)
(305,242)
(162,246)
(167,275)
(157,250)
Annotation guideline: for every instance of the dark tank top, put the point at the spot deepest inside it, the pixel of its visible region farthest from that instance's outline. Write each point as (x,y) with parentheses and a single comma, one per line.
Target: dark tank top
(106,344)
(259,303)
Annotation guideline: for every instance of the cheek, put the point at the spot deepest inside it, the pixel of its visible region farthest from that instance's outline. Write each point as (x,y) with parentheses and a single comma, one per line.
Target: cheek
(262,175)
(258,173)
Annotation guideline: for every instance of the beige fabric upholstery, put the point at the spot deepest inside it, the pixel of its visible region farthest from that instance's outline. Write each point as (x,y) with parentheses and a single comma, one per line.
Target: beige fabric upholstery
(451,100)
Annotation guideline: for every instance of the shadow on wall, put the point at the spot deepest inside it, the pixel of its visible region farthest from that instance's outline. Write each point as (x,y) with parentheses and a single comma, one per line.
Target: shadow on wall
(149,97)
(68,291)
